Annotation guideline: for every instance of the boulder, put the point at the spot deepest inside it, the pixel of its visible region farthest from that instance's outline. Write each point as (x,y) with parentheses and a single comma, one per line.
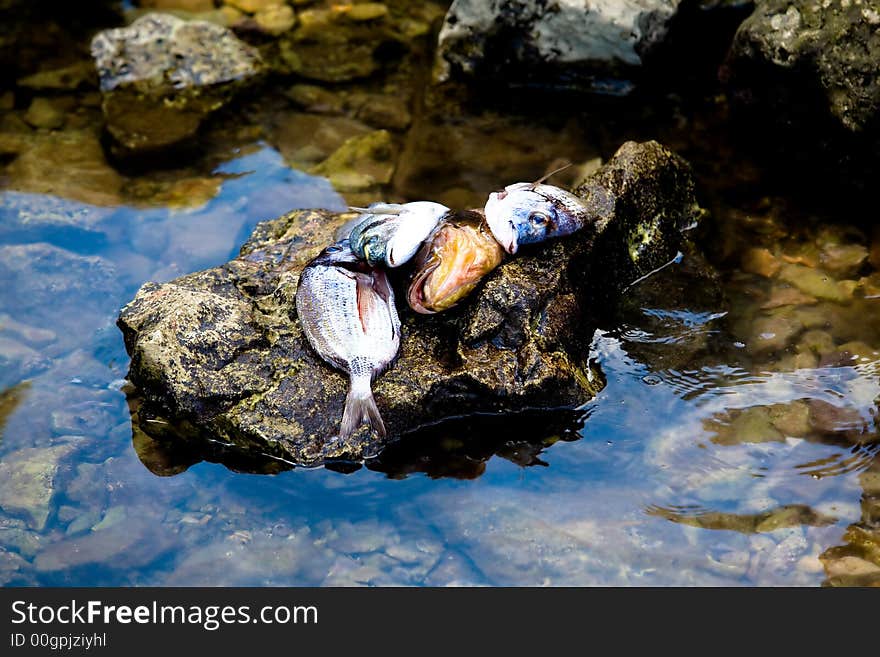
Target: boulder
(805,59)
(803,78)
(552,39)
(161,76)
(219,354)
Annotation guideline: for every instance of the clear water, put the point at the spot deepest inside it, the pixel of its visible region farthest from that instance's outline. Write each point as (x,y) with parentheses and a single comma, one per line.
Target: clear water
(734,444)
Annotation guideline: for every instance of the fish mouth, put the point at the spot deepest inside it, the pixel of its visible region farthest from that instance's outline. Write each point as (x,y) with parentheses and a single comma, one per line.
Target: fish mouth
(458,258)
(505,234)
(512,245)
(508,238)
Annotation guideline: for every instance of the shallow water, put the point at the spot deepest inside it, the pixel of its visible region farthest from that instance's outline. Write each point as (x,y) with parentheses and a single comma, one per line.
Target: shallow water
(735,442)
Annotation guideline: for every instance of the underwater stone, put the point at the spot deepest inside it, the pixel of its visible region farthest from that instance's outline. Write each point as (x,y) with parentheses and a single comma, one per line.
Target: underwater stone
(68,78)
(161,76)
(275,19)
(813,282)
(42,113)
(360,163)
(367,11)
(28,477)
(220,353)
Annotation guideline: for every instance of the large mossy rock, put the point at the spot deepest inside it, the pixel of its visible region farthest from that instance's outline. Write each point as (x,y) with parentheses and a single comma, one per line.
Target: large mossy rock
(220,354)
(161,76)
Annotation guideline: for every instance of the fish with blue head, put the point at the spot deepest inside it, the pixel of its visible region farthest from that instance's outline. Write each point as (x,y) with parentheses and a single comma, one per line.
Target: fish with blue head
(531,212)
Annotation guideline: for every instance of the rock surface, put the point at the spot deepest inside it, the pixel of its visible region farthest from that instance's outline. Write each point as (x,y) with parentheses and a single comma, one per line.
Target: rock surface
(219,353)
(570,37)
(805,56)
(161,76)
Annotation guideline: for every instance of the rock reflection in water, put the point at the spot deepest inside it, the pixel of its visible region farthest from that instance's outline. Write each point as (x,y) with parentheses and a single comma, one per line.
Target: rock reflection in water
(437,451)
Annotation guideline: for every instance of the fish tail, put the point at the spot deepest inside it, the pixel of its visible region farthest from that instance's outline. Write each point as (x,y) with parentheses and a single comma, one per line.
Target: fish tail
(360,408)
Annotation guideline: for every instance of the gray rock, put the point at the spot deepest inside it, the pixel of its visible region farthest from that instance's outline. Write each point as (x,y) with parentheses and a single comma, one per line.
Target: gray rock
(221,355)
(805,56)
(569,37)
(161,76)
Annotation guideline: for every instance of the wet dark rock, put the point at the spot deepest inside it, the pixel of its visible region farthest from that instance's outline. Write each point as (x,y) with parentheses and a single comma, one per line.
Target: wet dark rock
(808,71)
(219,353)
(161,76)
(788,52)
(561,39)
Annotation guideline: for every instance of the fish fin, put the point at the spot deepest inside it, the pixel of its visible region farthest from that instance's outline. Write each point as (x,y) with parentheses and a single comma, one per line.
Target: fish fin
(546,176)
(379,208)
(365,297)
(360,408)
(371,289)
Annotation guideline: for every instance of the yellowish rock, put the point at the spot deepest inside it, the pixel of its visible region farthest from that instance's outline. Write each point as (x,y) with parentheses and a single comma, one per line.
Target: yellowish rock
(367,11)
(760,262)
(817,342)
(843,259)
(231,15)
(791,419)
(853,566)
(276,19)
(807,255)
(859,350)
(786,296)
(42,113)
(812,282)
(360,163)
(774,332)
(253,6)
(870,481)
(752,425)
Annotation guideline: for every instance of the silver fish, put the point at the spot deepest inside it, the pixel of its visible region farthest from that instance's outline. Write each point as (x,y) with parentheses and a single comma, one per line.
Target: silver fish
(347,312)
(526,213)
(389,234)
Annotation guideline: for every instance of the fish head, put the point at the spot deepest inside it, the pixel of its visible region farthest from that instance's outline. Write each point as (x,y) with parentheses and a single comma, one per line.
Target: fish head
(527,213)
(417,221)
(459,255)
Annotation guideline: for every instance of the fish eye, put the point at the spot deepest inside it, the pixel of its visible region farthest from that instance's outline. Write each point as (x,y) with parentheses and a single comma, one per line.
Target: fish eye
(539,218)
(333,249)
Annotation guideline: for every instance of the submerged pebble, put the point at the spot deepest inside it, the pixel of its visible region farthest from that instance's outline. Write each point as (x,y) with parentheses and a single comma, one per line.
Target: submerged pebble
(813,282)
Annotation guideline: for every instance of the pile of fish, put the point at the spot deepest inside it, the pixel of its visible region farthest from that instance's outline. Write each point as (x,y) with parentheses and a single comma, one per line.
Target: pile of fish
(345,301)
